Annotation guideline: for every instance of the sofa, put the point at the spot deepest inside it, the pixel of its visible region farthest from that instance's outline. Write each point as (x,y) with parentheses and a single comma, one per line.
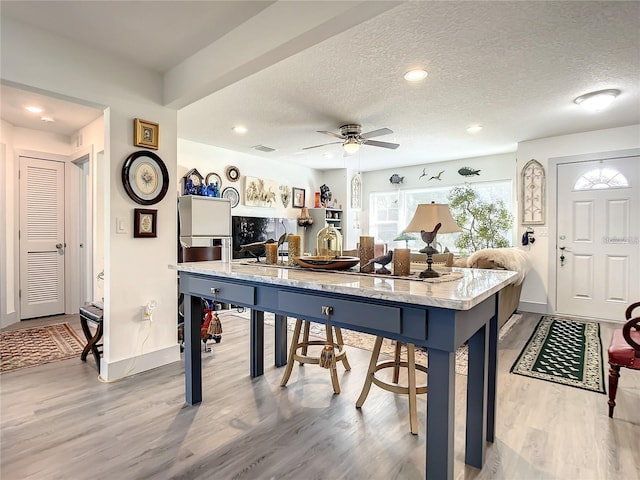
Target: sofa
(513,259)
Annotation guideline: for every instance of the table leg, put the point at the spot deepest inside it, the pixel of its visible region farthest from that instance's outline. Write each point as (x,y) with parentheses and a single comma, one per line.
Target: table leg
(477,398)
(256,340)
(281,340)
(440,414)
(492,388)
(192,356)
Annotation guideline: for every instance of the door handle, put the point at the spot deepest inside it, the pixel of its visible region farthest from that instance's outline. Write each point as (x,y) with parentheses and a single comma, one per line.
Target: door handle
(59,246)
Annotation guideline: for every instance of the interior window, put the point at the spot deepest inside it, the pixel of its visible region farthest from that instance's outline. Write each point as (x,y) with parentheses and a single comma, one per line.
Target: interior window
(601,178)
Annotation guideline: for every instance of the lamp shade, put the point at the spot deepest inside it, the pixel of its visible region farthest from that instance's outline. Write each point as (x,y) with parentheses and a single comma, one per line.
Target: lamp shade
(428,215)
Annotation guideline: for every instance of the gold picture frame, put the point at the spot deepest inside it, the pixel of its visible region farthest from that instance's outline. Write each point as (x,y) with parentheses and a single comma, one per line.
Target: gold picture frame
(145,133)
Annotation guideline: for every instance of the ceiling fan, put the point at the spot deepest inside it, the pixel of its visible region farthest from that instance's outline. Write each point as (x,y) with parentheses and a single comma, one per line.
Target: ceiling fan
(351,138)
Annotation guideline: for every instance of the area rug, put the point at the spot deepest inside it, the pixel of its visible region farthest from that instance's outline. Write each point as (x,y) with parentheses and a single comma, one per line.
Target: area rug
(38,345)
(365,341)
(566,351)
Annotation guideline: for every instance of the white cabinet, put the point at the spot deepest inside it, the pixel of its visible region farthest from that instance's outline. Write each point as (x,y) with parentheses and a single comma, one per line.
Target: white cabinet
(203,219)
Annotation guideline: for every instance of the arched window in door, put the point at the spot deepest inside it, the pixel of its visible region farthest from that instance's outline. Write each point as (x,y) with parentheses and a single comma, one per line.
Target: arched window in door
(601,178)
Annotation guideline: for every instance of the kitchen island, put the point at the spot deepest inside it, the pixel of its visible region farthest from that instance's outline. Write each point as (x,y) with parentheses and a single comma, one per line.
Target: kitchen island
(438,316)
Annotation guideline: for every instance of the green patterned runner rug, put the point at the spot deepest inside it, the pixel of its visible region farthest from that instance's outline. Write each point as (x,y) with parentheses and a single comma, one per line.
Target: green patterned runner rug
(564,350)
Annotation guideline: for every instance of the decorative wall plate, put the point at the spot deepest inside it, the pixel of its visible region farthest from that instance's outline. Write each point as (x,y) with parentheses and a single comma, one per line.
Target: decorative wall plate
(213,177)
(233,174)
(232,194)
(145,177)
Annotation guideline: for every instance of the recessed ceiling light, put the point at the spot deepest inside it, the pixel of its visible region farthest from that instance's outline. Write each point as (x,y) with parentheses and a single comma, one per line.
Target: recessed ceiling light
(33,109)
(240,130)
(415,75)
(596,101)
(47,119)
(474,128)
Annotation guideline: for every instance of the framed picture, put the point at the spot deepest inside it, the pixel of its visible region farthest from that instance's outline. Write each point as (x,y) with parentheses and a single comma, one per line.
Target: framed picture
(144,222)
(298,197)
(145,177)
(145,134)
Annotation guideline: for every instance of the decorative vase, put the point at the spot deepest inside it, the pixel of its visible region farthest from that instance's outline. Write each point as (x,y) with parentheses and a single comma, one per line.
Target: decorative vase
(329,242)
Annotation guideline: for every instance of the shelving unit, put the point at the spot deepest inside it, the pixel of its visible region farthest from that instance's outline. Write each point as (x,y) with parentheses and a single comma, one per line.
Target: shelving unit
(321,218)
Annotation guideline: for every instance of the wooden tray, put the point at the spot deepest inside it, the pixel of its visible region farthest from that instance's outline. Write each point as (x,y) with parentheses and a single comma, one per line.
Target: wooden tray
(339,263)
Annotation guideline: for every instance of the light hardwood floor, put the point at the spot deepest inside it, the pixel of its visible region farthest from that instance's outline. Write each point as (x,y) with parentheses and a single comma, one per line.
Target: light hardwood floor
(59,422)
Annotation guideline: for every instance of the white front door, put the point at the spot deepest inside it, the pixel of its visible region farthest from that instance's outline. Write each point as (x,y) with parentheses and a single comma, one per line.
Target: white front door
(42,246)
(598,244)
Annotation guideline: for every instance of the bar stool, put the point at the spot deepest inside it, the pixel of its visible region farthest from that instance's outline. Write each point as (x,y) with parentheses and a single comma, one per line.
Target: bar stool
(410,389)
(305,343)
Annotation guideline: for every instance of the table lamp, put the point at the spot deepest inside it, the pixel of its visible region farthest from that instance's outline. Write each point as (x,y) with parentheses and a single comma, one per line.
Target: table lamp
(425,220)
(406,237)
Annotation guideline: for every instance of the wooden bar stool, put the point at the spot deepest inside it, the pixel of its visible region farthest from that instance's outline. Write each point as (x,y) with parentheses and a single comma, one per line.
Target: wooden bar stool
(303,357)
(410,389)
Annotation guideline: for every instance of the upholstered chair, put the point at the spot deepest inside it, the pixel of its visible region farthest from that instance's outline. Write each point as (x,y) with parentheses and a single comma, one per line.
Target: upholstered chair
(624,351)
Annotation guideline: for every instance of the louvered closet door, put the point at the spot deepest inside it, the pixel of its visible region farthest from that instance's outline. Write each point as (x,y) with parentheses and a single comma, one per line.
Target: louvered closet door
(41,237)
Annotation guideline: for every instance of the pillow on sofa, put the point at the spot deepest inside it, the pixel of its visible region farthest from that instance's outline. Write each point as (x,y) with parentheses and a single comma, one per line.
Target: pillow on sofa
(506,258)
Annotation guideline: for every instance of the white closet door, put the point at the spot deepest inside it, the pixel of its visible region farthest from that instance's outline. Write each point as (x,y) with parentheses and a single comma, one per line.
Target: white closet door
(42,246)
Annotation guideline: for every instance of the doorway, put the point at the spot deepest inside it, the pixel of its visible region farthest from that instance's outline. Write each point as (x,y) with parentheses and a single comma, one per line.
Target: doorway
(597,237)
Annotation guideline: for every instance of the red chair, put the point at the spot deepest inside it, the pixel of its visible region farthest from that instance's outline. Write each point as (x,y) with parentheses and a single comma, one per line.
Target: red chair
(624,351)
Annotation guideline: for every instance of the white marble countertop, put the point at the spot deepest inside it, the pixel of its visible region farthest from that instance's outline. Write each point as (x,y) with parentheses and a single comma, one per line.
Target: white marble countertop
(475,285)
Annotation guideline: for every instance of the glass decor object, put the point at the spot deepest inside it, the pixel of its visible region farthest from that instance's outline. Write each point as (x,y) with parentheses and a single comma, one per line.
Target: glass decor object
(329,242)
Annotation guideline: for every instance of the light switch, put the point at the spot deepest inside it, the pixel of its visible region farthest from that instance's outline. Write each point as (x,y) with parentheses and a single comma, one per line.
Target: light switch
(121,225)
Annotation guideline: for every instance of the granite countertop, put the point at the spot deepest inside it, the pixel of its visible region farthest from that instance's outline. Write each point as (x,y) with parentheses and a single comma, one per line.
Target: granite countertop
(473,287)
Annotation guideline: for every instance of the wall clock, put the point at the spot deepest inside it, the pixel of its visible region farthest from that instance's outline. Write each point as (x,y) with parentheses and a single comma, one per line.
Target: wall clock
(233,174)
(145,177)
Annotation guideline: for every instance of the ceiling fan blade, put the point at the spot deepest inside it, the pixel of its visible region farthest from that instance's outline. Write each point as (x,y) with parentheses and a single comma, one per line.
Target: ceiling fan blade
(376,133)
(337,135)
(322,145)
(376,143)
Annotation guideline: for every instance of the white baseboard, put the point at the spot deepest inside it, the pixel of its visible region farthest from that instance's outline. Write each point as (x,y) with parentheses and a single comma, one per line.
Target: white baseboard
(533,307)
(110,371)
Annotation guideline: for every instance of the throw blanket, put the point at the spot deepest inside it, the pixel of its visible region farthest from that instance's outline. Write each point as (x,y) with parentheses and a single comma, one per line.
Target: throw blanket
(508,258)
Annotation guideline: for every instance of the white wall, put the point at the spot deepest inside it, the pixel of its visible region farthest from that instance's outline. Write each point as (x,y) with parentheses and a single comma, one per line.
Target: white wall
(8,219)
(135,269)
(536,294)
(492,168)
(206,158)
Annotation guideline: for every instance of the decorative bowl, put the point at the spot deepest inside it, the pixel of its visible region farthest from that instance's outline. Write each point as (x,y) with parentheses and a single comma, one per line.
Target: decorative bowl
(338,263)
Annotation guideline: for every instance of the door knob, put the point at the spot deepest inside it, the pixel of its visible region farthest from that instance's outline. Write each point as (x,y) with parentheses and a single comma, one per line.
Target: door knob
(59,246)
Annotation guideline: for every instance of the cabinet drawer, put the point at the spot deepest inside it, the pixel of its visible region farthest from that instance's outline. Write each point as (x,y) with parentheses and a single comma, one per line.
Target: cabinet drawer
(227,292)
(347,312)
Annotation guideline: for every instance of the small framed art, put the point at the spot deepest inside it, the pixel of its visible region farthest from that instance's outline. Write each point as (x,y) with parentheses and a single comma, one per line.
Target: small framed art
(144,222)
(298,197)
(145,134)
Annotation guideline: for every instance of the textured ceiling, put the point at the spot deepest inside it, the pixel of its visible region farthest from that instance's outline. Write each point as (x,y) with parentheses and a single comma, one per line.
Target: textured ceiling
(514,67)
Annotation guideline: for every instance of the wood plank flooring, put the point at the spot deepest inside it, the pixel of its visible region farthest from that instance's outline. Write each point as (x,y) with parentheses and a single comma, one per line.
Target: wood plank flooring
(59,422)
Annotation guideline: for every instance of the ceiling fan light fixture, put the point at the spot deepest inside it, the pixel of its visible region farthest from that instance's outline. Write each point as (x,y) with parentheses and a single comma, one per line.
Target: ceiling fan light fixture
(351,146)
(415,75)
(597,101)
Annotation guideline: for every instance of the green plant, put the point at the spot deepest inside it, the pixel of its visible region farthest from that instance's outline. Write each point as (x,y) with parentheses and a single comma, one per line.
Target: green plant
(483,224)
